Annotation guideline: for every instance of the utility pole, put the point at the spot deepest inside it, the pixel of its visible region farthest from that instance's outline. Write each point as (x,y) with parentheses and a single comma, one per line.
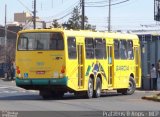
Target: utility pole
(34,15)
(5,36)
(83,14)
(109,17)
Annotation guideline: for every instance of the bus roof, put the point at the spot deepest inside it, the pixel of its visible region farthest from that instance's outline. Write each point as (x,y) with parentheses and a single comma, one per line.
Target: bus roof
(86,33)
(121,35)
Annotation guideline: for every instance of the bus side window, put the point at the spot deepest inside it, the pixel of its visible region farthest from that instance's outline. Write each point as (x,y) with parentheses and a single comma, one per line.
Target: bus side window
(116,49)
(123,49)
(130,49)
(72,53)
(89,45)
(99,50)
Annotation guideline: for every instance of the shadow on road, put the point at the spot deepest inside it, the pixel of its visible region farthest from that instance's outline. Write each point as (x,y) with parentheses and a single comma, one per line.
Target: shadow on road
(21,97)
(65,97)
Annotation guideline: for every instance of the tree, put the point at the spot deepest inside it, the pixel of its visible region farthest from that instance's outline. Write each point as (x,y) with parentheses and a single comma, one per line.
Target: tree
(75,21)
(55,24)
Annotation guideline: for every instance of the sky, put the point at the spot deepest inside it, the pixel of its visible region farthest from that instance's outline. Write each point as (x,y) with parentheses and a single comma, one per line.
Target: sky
(130,15)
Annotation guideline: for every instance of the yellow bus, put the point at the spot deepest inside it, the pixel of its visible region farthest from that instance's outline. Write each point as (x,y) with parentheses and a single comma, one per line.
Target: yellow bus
(55,61)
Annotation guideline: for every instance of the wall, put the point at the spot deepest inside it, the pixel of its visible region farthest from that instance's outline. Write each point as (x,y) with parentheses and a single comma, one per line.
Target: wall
(150,54)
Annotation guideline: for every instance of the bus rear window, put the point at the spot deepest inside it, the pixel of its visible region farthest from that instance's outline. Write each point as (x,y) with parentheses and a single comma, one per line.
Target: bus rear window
(41,41)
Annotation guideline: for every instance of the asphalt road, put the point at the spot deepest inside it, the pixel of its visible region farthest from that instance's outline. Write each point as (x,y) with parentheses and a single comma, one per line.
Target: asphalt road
(17,99)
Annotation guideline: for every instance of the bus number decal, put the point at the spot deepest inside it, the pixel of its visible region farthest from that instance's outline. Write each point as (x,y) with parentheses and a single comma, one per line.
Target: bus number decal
(122,68)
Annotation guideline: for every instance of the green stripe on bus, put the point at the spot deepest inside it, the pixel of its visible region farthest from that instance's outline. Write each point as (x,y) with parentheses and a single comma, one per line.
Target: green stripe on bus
(53,81)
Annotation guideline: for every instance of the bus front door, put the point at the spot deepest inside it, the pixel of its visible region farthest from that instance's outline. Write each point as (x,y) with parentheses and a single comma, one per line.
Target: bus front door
(80,66)
(110,66)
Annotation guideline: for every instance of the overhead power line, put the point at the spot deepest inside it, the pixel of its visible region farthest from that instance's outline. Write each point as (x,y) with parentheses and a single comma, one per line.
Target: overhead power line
(107,4)
(97,2)
(69,12)
(24,6)
(63,16)
(65,13)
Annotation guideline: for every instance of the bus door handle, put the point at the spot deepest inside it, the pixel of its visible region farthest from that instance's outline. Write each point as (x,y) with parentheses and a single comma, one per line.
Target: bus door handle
(39,52)
(58,58)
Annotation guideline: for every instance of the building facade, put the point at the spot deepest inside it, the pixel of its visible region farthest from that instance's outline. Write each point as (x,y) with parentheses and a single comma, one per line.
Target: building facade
(7,54)
(150,54)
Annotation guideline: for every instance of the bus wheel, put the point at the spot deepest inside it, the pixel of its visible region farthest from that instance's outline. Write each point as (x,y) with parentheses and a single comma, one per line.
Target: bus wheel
(97,92)
(90,88)
(132,87)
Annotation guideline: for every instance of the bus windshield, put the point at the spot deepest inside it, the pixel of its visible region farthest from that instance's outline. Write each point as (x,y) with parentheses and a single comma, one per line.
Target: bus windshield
(41,41)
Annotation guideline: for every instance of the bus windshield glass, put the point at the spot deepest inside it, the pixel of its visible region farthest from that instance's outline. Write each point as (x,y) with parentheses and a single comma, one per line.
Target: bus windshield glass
(41,41)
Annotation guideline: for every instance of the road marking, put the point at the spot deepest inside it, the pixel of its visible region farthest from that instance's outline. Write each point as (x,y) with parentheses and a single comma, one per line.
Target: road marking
(8,92)
(17,92)
(3,87)
(10,87)
(33,91)
(13,89)
(23,91)
(5,91)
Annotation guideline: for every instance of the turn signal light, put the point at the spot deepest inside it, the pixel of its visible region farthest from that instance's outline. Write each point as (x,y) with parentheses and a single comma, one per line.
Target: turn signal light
(63,69)
(18,70)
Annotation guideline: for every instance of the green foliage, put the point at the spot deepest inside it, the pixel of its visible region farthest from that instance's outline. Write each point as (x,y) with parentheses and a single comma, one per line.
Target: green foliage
(55,24)
(75,21)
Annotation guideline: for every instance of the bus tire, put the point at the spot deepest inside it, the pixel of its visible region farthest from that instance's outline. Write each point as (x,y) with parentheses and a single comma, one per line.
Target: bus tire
(132,87)
(97,92)
(90,88)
